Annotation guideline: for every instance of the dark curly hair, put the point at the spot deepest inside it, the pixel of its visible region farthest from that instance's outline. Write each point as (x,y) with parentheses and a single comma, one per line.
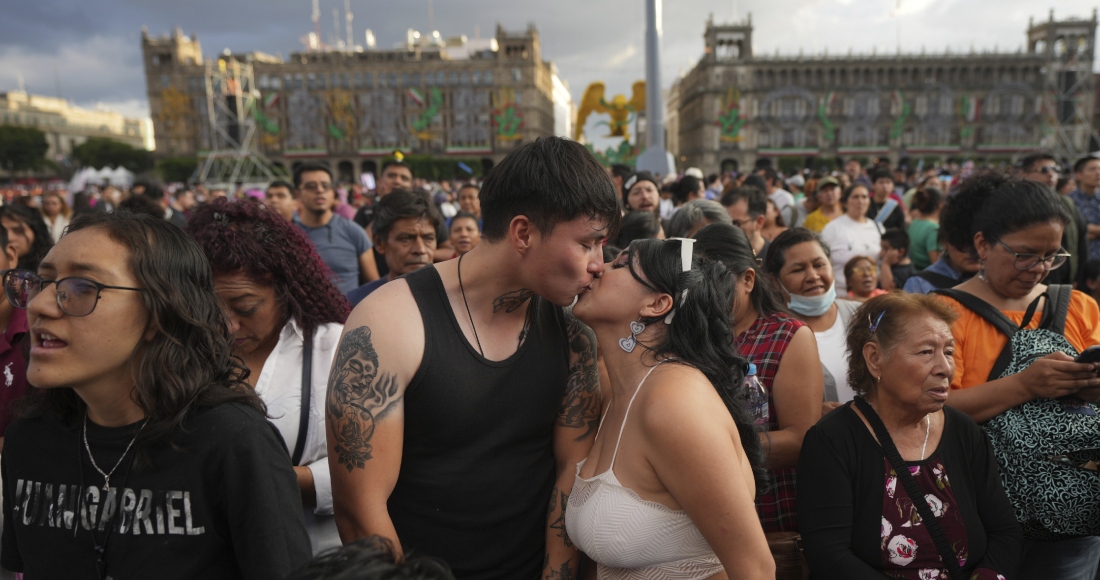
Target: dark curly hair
(245,237)
(996,205)
(189,363)
(32,219)
(701,332)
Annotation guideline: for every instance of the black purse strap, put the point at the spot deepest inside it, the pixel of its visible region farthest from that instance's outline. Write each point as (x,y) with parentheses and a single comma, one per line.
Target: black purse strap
(307,384)
(950,560)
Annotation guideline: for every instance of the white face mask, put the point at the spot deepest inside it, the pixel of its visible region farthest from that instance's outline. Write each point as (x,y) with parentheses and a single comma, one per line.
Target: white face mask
(813,305)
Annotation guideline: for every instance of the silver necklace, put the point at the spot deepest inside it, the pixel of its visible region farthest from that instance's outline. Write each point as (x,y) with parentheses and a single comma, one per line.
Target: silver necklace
(107,476)
(927,431)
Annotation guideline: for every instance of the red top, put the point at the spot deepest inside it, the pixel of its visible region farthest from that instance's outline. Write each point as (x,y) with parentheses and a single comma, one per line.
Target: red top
(763,344)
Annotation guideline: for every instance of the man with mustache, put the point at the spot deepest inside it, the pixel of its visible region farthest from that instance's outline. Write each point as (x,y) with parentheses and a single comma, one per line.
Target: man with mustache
(404,231)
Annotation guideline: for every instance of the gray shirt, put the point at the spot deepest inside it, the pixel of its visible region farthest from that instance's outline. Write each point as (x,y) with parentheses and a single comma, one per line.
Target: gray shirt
(340,242)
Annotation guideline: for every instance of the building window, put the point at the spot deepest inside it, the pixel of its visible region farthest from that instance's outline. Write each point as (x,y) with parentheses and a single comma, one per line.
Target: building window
(517,75)
(414,79)
(477,78)
(454,79)
(464,78)
(164,81)
(488,77)
(441,78)
(393,79)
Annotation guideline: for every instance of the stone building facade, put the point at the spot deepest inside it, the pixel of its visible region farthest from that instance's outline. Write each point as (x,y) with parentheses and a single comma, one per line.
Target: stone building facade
(735,106)
(67,125)
(469,98)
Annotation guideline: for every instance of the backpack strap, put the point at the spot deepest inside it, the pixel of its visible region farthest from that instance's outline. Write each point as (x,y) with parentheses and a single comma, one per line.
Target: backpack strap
(1054,316)
(937,280)
(991,315)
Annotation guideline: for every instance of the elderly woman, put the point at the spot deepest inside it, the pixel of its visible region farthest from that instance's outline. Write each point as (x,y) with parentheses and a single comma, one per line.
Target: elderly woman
(785,354)
(694,215)
(798,261)
(902,486)
(286,316)
(142,452)
(667,489)
(1031,409)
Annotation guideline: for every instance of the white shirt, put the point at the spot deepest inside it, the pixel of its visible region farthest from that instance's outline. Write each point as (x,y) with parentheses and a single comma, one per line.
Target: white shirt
(57,227)
(280,387)
(847,239)
(833,350)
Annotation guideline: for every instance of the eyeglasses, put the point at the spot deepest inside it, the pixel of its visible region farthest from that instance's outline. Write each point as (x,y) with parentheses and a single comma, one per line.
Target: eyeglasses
(315,186)
(1028,261)
(76,296)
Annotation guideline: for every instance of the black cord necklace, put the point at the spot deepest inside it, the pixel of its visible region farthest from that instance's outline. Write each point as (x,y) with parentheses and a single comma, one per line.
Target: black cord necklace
(101,549)
(462,289)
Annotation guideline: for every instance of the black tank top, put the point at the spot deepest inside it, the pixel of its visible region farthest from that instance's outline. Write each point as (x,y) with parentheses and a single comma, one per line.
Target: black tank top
(478,465)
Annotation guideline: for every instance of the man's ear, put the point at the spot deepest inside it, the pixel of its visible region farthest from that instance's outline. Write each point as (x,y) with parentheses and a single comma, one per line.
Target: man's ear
(521,232)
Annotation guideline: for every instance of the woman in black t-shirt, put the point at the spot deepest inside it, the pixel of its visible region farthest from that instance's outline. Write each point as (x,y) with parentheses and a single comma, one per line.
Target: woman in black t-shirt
(141,453)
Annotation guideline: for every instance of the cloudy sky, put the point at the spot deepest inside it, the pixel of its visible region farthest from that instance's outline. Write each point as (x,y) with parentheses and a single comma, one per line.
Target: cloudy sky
(92,49)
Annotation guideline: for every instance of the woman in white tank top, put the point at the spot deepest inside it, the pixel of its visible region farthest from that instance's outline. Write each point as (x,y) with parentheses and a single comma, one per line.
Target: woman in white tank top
(667,490)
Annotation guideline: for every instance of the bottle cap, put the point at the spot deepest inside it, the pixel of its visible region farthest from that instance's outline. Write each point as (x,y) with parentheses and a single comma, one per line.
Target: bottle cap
(752,369)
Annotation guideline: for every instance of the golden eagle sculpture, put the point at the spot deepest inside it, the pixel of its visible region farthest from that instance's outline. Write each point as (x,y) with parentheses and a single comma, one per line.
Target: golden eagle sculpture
(619,109)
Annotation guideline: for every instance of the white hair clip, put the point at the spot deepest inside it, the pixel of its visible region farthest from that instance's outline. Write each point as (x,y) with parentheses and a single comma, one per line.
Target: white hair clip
(687,245)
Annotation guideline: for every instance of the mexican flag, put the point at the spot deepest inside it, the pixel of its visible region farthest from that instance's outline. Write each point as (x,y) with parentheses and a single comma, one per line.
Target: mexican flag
(271,100)
(970,109)
(415,95)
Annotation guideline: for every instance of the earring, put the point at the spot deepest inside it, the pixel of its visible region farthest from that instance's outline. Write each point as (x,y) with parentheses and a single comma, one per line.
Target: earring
(631,341)
(981,271)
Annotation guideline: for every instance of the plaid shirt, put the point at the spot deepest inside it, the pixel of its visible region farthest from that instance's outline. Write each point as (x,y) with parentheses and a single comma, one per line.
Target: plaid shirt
(763,344)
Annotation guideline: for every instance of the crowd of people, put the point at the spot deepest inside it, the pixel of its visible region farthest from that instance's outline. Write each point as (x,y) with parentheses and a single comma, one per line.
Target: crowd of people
(315,381)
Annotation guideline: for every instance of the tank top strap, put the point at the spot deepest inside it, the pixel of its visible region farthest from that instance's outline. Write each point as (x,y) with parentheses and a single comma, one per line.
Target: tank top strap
(615,453)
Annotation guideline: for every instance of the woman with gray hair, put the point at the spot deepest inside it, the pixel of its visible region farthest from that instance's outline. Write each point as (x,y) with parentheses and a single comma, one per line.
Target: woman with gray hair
(694,216)
(902,485)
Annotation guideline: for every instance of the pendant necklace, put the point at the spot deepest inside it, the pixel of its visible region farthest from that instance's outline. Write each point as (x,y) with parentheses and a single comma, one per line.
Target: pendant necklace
(107,475)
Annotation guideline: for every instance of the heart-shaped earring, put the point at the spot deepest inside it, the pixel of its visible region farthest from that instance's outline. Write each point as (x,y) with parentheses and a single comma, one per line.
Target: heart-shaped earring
(628,343)
(636,328)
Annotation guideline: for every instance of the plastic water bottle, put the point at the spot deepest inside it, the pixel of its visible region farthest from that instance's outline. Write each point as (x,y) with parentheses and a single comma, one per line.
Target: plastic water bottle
(757,397)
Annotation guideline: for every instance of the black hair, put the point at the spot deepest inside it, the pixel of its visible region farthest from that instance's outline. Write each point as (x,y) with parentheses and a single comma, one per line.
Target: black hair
(395,163)
(1029,161)
(4,241)
(153,190)
(927,200)
(848,192)
(997,204)
(549,180)
(898,240)
(777,252)
(701,332)
(372,558)
(189,362)
(712,179)
(398,205)
(621,170)
(729,244)
(756,181)
(1092,269)
(687,185)
(755,197)
(280,183)
(142,204)
(43,241)
(1062,181)
(462,215)
(1080,163)
(306,168)
(770,175)
(638,225)
(881,173)
(468,185)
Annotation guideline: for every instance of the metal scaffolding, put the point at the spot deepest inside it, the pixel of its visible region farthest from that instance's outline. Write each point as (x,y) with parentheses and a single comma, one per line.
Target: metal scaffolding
(1069,86)
(230,156)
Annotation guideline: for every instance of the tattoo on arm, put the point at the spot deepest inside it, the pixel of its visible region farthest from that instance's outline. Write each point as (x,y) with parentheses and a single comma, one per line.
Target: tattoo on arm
(581,405)
(566,571)
(555,515)
(512,301)
(359,394)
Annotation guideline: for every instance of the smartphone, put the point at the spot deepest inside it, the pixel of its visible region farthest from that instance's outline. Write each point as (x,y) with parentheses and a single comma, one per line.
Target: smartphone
(1090,355)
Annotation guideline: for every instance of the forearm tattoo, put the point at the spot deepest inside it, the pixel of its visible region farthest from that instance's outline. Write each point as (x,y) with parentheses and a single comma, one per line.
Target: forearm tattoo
(555,515)
(512,301)
(565,572)
(581,406)
(359,395)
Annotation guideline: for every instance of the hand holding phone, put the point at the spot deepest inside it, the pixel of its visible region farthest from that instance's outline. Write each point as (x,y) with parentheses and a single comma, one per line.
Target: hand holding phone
(1090,355)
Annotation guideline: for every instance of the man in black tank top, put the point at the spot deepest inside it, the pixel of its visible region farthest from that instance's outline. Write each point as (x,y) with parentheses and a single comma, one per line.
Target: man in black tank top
(463,395)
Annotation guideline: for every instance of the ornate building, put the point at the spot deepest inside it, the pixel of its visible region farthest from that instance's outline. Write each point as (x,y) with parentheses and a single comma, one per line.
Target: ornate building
(67,126)
(462,97)
(735,106)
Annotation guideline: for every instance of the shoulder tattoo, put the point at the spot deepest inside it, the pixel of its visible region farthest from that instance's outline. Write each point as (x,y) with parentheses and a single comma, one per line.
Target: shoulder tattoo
(359,394)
